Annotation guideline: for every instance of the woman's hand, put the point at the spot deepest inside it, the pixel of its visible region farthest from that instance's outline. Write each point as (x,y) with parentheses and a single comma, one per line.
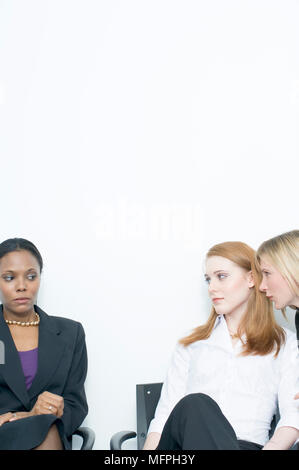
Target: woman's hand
(6,417)
(13,416)
(48,403)
(296,396)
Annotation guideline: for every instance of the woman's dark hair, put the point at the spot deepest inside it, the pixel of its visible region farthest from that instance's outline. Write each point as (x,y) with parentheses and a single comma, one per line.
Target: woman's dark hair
(18,244)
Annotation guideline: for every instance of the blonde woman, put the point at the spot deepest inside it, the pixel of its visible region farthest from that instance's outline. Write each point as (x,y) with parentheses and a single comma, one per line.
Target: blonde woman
(278,258)
(225,378)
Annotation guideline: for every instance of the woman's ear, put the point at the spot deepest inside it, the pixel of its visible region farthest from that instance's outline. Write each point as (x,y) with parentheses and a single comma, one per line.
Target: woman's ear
(250,279)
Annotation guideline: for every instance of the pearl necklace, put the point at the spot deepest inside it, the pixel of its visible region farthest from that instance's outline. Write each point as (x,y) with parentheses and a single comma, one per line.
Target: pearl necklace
(21,323)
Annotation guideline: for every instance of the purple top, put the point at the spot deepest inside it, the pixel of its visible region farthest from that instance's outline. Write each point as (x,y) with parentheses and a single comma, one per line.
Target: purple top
(29,365)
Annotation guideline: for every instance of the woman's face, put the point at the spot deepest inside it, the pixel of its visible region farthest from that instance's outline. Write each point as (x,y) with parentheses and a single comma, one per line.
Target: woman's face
(229,285)
(275,286)
(19,281)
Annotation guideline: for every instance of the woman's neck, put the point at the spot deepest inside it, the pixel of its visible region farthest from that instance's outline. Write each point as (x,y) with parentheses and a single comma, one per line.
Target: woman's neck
(24,316)
(233,320)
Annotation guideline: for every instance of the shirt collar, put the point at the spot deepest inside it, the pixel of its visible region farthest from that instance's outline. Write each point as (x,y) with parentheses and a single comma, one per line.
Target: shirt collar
(219,319)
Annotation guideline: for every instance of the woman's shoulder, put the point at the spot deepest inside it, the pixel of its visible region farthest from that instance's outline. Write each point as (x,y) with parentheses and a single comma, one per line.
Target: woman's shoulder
(290,345)
(61,323)
(289,334)
(66,322)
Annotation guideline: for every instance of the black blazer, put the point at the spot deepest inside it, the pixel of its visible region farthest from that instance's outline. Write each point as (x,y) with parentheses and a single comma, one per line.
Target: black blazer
(62,369)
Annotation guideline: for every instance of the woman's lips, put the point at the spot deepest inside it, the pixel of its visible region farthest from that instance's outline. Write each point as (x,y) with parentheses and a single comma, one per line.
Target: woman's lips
(217,299)
(22,300)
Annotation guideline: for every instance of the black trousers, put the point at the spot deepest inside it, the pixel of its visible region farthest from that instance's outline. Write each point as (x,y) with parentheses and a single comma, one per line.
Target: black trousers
(197,423)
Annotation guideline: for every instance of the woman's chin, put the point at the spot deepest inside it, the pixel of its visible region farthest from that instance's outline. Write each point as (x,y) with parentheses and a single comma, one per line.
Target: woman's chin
(220,311)
(279,305)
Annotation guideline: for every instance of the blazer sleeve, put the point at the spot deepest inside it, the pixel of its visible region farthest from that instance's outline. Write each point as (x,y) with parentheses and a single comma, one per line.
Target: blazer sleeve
(75,403)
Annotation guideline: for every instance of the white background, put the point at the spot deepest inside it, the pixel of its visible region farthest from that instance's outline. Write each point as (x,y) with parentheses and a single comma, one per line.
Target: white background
(133,136)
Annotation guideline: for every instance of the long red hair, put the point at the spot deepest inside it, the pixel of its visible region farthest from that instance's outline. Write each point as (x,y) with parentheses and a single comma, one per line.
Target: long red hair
(263,333)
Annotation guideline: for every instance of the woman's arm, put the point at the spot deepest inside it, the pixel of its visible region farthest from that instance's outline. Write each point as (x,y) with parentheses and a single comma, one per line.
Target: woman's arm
(152,441)
(174,388)
(282,439)
(75,404)
(287,430)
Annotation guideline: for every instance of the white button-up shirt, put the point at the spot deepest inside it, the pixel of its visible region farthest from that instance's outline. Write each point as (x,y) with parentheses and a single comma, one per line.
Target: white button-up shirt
(246,388)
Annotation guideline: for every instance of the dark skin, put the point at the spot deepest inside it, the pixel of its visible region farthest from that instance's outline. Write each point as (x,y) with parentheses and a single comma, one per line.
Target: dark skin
(19,286)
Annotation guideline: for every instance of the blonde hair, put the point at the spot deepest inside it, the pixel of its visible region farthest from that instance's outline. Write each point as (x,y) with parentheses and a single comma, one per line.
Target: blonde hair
(283,252)
(262,332)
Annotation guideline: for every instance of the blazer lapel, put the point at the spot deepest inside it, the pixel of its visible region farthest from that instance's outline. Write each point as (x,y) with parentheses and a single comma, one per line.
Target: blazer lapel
(11,370)
(50,351)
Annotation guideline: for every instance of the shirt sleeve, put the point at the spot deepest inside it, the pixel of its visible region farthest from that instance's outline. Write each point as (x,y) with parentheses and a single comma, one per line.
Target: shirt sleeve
(289,384)
(174,387)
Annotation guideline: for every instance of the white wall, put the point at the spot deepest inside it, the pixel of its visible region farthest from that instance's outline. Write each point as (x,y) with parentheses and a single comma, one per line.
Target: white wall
(133,136)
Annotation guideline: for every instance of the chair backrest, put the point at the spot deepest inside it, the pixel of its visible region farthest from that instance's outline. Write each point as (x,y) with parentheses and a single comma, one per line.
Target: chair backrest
(147,397)
(274,422)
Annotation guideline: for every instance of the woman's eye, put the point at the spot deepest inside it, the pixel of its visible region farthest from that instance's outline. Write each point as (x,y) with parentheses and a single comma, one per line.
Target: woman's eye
(221,276)
(31,277)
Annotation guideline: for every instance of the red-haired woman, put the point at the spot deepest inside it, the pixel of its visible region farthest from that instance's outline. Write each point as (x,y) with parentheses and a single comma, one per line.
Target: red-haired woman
(225,378)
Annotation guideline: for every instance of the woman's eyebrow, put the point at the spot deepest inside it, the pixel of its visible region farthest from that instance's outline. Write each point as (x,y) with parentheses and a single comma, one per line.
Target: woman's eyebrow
(216,272)
(11,270)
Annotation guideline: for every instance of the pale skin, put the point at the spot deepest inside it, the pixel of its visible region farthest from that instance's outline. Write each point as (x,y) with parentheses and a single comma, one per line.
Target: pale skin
(19,285)
(276,288)
(229,289)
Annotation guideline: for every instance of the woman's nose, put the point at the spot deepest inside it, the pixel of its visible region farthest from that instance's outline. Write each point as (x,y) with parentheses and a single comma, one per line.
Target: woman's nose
(263,287)
(211,287)
(21,285)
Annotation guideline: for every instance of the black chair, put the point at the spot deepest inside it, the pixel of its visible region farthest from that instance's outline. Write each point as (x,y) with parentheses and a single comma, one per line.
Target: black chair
(147,397)
(88,437)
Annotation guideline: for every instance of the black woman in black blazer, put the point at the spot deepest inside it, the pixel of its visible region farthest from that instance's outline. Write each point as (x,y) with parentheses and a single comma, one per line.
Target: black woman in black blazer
(62,367)
(61,370)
